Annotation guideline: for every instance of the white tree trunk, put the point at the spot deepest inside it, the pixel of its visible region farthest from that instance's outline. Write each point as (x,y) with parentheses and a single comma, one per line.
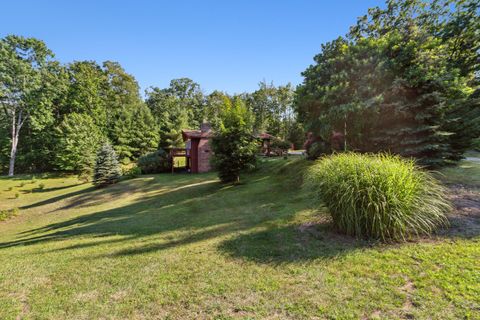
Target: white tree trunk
(13,154)
(16,126)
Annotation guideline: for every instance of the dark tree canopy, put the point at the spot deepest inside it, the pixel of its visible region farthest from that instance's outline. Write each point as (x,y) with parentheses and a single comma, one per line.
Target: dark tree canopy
(402,81)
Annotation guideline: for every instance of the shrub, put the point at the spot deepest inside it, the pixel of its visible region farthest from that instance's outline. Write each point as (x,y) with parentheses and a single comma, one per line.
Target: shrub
(155,162)
(317,149)
(7,214)
(378,196)
(131,171)
(233,145)
(279,147)
(107,169)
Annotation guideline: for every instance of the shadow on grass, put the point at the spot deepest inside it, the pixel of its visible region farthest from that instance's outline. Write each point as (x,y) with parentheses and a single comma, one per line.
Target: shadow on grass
(58,198)
(45,190)
(291,243)
(251,221)
(256,221)
(187,203)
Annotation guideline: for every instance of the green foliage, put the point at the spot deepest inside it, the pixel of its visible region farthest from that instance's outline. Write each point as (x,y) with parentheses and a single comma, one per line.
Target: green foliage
(279,147)
(296,135)
(233,145)
(78,141)
(135,133)
(87,92)
(318,149)
(155,162)
(131,171)
(171,114)
(7,214)
(107,169)
(378,196)
(27,87)
(273,109)
(393,85)
(50,93)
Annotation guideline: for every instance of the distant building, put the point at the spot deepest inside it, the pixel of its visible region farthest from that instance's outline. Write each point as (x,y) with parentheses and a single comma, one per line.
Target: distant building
(266,140)
(198,148)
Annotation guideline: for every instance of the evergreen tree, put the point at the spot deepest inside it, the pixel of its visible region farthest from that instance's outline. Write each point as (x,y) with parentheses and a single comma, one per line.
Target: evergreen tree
(233,144)
(135,133)
(78,139)
(107,168)
(171,116)
(392,85)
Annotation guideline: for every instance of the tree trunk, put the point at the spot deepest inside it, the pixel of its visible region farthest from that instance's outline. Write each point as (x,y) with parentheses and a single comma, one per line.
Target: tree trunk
(13,154)
(16,126)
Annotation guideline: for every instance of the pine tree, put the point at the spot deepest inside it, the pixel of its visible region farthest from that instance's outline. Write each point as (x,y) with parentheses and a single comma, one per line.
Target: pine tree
(107,168)
(135,133)
(78,139)
(392,85)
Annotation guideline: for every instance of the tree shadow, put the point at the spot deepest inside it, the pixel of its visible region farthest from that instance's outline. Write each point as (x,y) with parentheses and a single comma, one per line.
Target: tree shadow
(465,217)
(58,198)
(46,190)
(253,221)
(292,243)
(195,208)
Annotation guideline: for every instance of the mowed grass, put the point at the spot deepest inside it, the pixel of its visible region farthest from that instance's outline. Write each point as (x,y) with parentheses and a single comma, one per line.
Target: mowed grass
(186,247)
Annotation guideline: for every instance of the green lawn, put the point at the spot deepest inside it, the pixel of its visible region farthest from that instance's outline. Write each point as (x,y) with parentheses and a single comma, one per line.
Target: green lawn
(186,247)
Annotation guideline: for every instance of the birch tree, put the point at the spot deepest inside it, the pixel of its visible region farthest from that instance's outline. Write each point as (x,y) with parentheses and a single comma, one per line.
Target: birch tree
(25,90)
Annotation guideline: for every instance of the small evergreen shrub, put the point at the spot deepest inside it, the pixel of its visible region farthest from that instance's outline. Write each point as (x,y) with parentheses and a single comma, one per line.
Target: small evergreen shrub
(107,169)
(154,162)
(378,196)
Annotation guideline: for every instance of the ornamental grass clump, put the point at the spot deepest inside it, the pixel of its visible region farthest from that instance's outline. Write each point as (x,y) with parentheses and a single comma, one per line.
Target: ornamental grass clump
(378,196)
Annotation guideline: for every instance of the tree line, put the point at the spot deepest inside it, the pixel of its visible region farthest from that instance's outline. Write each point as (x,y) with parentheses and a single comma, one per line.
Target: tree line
(405,79)
(56,116)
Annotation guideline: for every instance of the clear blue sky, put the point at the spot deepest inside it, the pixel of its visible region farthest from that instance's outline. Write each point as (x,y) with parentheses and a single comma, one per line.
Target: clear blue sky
(226,45)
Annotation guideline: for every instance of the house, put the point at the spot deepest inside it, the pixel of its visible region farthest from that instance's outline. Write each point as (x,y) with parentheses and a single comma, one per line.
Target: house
(266,141)
(198,148)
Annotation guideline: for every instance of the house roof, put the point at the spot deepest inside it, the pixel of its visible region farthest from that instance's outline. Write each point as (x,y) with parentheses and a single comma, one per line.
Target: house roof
(195,134)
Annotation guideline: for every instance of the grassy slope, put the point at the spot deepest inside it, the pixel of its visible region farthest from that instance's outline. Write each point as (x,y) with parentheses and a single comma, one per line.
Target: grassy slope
(184,246)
